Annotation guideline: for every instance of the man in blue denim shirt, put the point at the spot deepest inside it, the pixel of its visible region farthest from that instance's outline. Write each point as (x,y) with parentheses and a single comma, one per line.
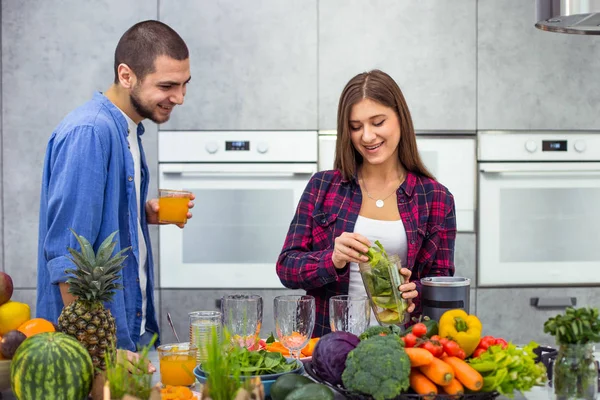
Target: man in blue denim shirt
(95,178)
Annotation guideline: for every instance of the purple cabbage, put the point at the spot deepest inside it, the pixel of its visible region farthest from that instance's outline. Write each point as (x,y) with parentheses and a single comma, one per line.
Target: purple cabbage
(329,355)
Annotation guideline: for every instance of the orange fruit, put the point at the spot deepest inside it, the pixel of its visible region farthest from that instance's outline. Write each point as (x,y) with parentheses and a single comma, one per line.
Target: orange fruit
(35,326)
(307,351)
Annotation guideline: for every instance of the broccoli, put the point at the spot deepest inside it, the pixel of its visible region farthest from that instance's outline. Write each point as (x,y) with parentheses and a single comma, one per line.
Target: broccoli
(381,331)
(379,367)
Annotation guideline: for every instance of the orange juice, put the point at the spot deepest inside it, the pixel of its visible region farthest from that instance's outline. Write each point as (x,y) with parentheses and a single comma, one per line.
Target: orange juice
(177,369)
(173,209)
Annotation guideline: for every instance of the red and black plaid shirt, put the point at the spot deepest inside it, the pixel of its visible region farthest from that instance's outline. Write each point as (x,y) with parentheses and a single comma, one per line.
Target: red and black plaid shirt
(330,206)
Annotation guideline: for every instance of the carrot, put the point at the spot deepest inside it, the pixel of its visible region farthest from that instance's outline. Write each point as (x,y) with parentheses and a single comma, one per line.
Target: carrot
(421,384)
(418,357)
(278,348)
(465,373)
(438,371)
(454,388)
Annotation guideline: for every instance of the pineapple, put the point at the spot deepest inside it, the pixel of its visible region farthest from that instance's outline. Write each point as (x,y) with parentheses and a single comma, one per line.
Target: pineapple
(93,283)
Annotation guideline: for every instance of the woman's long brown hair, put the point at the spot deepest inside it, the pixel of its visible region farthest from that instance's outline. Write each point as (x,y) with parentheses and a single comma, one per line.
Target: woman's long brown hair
(380,87)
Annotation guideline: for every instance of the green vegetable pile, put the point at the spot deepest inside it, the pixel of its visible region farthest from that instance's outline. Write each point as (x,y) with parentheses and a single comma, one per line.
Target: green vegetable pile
(509,369)
(382,281)
(379,367)
(574,370)
(260,362)
(576,326)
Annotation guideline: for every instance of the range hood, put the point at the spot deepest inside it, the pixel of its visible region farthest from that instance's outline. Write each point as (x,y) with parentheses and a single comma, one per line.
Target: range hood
(580,17)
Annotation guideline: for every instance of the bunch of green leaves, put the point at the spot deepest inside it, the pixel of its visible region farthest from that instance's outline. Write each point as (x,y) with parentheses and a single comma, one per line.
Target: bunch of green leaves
(223,377)
(129,377)
(379,280)
(575,326)
(260,362)
(509,369)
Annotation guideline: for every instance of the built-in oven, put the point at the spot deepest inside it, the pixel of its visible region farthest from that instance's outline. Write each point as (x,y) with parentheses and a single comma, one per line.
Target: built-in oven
(450,157)
(538,208)
(247,187)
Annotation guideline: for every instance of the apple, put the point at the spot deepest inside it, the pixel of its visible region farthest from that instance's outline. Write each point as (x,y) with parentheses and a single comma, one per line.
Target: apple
(6,288)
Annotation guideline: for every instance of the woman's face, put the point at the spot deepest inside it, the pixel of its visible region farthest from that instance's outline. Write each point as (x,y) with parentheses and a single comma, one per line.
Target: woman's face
(375,131)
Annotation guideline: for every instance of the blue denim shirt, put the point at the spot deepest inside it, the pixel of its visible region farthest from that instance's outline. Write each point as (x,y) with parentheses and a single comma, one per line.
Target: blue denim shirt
(88,186)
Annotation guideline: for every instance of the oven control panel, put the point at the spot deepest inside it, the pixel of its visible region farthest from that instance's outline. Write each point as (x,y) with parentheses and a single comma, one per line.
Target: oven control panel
(538,146)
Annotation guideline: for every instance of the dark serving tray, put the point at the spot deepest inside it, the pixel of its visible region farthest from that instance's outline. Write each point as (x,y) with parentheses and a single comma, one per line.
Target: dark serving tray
(404,396)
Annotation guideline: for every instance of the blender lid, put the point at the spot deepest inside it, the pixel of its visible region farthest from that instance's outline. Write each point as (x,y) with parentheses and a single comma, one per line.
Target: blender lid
(446,281)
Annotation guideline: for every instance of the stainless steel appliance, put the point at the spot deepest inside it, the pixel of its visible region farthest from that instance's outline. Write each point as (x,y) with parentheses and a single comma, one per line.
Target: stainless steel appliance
(450,158)
(442,293)
(538,208)
(247,187)
(580,17)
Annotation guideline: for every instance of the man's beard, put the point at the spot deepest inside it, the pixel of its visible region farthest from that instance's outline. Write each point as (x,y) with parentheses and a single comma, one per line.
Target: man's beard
(142,110)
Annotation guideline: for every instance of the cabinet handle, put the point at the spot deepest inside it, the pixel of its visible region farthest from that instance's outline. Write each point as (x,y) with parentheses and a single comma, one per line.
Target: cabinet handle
(553,302)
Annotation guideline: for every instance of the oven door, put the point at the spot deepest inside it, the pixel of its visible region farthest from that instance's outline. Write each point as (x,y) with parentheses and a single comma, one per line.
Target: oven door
(241,217)
(538,224)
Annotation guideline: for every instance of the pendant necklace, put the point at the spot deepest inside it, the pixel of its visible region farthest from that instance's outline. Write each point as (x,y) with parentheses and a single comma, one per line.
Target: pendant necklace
(378,202)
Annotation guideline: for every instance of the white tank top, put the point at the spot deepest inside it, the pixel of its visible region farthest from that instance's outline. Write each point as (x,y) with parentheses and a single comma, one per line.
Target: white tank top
(391,234)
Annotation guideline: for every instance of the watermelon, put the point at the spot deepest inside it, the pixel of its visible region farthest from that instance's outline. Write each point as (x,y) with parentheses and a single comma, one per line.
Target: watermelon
(50,366)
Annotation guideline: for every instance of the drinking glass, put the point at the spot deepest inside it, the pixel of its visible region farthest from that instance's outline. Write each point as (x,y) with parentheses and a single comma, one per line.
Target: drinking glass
(201,324)
(177,363)
(349,313)
(242,316)
(173,206)
(294,321)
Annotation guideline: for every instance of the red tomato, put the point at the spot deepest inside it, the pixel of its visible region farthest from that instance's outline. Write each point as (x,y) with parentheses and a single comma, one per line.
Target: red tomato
(486,342)
(501,342)
(444,341)
(410,340)
(419,329)
(436,349)
(461,354)
(435,337)
(451,348)
(478,352)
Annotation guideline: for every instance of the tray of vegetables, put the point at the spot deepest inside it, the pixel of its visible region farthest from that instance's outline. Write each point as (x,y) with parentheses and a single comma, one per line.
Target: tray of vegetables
(449,360)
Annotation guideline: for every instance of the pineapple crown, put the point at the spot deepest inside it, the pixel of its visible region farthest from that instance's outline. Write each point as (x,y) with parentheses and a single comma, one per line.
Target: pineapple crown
(96,274)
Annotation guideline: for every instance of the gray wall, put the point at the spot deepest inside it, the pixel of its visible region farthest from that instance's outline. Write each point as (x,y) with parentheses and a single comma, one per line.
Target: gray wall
(271,64)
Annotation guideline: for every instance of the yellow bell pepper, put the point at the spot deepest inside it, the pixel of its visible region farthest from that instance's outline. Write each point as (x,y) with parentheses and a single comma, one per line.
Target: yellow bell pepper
(461,327)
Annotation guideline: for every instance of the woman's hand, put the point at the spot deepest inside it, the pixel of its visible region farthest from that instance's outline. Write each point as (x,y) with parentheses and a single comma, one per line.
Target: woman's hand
(409,289)
(129,359)
(347,248)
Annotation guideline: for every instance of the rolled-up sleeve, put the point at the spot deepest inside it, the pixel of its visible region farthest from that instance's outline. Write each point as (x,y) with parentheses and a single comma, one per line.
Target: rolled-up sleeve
(299,266)
(75,196)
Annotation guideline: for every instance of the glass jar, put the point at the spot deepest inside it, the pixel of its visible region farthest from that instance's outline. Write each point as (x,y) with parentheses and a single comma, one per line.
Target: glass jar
(575,374)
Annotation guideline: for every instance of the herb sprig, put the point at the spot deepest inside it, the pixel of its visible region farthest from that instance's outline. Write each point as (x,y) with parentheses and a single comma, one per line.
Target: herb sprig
(575,326)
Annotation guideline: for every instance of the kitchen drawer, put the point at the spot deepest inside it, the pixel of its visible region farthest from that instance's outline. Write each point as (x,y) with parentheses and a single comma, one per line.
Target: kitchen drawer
(508,313)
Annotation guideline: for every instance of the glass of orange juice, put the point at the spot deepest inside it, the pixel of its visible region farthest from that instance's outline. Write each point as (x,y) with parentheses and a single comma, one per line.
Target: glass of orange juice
(173,206)
(177,362)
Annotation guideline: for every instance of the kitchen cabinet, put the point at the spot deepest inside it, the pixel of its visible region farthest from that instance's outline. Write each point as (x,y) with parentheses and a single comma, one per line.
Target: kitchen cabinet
(54,56)
(253,64)
(508,313)
(179,302)
(428,47)
(531,79)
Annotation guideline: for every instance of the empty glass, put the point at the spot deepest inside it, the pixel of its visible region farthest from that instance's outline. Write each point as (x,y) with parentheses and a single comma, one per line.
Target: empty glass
(349,313)
(242,316)
(294,321)
(201,324)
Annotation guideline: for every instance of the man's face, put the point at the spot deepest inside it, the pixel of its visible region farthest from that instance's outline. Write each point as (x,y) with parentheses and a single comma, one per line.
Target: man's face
(158,92)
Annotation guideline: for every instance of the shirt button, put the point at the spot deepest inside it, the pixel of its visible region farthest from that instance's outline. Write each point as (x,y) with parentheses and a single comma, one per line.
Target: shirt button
(130,178)
(324,220)
(139,314)
(412,241)
(138,280)
(402,200)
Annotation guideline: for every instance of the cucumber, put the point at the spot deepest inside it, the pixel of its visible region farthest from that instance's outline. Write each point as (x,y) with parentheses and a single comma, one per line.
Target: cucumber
(312,391)
(286,384)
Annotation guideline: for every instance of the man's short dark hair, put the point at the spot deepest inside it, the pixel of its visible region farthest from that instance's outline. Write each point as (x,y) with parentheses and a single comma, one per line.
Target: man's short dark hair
(143,43)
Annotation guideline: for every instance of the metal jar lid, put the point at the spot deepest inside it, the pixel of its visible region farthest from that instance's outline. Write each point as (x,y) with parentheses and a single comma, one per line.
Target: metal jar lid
(446,281)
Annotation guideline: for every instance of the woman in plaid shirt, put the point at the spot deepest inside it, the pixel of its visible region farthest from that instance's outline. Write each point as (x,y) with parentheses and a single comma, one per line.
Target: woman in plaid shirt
(344,210)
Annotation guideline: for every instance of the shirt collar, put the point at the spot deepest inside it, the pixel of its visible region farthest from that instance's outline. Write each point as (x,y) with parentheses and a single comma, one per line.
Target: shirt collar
(117,113)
